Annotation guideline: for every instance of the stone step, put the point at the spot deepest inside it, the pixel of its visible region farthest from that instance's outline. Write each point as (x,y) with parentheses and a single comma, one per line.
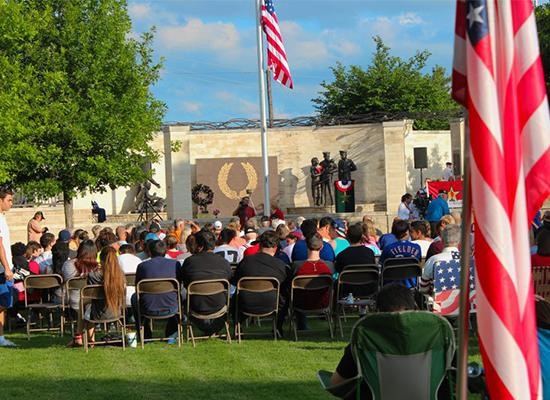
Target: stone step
(18,219)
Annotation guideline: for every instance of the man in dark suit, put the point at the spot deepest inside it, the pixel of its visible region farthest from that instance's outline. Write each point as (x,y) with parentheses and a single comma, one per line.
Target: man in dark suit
(157,304)
(201,266)
(265,264)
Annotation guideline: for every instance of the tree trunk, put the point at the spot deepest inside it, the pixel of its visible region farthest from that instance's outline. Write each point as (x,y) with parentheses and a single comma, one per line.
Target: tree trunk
(68,204)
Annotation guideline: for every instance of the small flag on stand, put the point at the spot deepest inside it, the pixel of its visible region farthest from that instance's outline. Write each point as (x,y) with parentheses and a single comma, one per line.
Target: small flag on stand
(276,55)
(498,77)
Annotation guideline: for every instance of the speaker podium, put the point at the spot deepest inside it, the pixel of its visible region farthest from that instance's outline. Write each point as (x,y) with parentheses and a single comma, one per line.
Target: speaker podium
(420,160)
(344,196)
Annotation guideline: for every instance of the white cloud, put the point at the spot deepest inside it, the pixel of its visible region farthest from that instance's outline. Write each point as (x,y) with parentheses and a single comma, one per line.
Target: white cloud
(192,107)
(409,19)
(346,48)
(237,105)
(139,11)
(197,35)
(303,49)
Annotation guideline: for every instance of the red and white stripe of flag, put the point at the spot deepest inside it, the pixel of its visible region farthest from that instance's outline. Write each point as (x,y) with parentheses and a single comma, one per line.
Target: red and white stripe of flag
(500,80)
(276,55)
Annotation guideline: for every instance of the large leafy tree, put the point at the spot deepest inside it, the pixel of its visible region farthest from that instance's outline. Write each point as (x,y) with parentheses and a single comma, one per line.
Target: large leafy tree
(76,111)
(542,15)
(390,84)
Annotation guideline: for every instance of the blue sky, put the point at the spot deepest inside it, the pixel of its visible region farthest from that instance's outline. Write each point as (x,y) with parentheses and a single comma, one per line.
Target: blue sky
(209,47)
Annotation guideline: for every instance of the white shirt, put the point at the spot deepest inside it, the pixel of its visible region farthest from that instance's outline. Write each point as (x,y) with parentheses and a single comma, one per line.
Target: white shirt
(448,173)
(424,246)
(230,253)
(128,263)
(6,242)
(403,212)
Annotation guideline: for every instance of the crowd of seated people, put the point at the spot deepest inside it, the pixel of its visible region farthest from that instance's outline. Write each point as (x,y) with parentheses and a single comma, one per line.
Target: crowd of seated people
(189,251)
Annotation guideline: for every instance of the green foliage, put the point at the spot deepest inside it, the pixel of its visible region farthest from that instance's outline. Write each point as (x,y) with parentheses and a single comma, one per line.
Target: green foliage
(76,112)
(389,84)
(542,15)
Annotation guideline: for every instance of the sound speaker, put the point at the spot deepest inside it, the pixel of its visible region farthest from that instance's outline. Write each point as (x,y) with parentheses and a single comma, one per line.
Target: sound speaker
(420,157)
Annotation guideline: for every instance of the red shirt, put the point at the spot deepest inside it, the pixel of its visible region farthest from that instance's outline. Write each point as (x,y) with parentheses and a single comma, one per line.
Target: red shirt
(173,253)
(322,298)
(245,214)
(540,261)
(277,214)
(252,249)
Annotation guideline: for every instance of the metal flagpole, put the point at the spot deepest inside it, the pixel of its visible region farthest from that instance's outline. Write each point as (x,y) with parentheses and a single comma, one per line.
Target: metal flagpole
(263,121)
(465,254)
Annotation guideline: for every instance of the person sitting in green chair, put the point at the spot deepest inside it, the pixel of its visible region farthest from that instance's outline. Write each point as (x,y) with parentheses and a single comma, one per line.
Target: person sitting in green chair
(392,297)
(396,353)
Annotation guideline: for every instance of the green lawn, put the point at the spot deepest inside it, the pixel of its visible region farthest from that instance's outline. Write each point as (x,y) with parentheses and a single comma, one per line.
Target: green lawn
(43,368)
(259,368)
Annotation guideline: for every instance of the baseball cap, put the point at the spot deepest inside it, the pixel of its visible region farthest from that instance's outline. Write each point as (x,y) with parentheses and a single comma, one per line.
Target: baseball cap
(218,225)
(340,227)
(151,236)
(64,235)
(249,230)
(442,191)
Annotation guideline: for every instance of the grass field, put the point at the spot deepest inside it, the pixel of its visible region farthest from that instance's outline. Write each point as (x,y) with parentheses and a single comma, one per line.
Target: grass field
(259,368)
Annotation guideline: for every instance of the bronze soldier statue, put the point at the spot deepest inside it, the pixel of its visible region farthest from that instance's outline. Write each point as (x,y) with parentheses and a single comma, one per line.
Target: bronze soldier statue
(329,168)
(345,167)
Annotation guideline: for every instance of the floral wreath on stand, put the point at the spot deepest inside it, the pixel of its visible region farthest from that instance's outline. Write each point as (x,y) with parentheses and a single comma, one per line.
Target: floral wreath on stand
(202,196)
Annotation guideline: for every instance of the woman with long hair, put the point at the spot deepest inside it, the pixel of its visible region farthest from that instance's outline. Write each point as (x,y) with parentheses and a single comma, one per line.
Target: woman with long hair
(84,263)
(112,278)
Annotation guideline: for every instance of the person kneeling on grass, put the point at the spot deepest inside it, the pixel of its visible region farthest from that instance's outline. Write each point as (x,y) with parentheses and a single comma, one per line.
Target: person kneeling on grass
(112,278)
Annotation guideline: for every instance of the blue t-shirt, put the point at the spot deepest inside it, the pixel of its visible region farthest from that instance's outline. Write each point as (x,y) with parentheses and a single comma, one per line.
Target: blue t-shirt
(544,351)
(341,244)
(299,252)
(402,248)
(437,208)
(385,239)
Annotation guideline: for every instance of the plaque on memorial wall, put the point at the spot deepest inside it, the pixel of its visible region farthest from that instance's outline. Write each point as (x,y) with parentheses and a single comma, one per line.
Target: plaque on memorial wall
(232,178)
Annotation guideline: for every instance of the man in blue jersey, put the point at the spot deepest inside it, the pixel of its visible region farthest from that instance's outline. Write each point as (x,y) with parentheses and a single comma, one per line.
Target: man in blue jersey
(403,247)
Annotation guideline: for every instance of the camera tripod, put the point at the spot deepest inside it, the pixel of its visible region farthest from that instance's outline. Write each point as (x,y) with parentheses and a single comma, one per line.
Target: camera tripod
(147,211)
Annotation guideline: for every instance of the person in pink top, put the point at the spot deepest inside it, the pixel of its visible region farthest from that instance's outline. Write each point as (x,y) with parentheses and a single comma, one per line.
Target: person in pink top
(34,227)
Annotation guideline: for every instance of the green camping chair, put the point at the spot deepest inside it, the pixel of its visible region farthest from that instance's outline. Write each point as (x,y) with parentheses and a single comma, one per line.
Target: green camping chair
(400,355)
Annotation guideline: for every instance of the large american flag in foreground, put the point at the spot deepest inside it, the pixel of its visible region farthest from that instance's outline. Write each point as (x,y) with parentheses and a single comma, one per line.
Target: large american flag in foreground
(276,55)
(498,76)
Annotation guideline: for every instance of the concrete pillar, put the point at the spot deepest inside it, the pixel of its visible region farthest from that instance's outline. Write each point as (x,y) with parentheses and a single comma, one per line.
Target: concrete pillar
(457,144)
(394,161)
(178,172)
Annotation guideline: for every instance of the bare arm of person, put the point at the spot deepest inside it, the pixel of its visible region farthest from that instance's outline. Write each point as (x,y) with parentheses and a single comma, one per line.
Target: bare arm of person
(4,261)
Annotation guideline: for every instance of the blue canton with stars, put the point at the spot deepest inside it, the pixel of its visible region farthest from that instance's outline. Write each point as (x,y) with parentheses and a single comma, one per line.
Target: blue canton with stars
(269,6)
(447,274)
(477,21)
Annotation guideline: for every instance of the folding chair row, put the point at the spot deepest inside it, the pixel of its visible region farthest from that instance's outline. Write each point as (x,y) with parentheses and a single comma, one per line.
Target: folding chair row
(45,283)
(363,281)
(195,290)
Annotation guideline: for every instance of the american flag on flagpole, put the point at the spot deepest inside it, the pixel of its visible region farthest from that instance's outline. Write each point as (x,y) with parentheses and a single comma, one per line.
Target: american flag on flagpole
(276,55)
(498,77)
